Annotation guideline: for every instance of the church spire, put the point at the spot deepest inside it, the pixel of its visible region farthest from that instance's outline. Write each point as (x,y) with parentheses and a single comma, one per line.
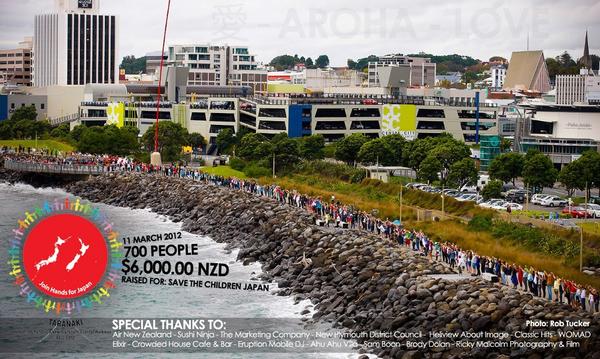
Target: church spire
(586,60)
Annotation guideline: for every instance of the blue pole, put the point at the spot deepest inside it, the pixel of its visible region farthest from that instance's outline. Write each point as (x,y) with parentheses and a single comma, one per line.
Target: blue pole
(477,117)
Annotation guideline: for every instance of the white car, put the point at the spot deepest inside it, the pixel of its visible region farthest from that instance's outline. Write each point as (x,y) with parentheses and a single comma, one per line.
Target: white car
(467,197)
(490,203)
(538,197)
(553,201)
(592,209)
(513,206)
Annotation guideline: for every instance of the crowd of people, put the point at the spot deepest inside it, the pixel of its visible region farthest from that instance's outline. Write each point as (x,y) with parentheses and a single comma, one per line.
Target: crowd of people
(331,212)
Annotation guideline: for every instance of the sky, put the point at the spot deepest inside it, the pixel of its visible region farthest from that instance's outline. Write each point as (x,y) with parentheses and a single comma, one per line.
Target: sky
(340,29)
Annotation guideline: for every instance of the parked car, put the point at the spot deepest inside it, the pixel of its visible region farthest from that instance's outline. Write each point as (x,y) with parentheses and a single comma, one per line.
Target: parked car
(491,203)
(553,201)
(451,192)
(593,209)
(517,196)
(538,197)
(595,200)
(513,206)
(468,197)
(576,212)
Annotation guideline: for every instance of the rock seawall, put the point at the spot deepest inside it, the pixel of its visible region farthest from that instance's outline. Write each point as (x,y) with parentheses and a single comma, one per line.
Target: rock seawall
(356,280)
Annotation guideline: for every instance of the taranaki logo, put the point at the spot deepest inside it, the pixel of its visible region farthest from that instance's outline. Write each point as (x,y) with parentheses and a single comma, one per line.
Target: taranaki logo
(65,256)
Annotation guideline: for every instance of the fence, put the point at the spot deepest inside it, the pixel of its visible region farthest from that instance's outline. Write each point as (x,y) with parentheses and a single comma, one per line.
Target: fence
(53,168)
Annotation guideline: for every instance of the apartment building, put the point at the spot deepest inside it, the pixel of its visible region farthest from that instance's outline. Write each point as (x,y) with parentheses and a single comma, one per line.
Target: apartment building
(578,89)
(422,70)
(217,65)
(15,64)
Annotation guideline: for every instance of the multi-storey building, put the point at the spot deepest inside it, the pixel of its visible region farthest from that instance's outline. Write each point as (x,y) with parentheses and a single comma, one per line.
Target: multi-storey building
(334,117)
(76,45)
(212,65)
(578,89)
(15,64)
(498,75)
(422,70)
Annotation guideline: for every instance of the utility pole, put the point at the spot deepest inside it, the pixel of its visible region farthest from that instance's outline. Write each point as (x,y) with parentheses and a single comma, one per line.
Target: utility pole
(443,212)
(581,230)
(273,164)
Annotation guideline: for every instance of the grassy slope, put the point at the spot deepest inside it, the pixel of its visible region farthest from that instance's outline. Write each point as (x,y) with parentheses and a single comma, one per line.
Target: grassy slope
(49,144)
(224,171)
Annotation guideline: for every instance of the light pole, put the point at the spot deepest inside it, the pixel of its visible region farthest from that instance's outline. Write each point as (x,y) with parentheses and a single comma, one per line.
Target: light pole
(443,211)
(581,230)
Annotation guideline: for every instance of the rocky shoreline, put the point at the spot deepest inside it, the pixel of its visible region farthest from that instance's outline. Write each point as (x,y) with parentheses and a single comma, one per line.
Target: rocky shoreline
(356,280)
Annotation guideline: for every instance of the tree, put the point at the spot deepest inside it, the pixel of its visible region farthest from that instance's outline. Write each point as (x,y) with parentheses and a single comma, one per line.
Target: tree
(309,63)
(285,149)
(248,144)
(507,167)
(570,177)
(60,131)
(429,169)
(538,171)
(589,171)
(109,140)
(463,173)
(448,153)
(505,145)
(492,190)
(375,151)
(396,144)
(133,65)
(77,132)
(24,113)
(351,64)
(171,138)
(347,149)
(197,141)
(311,147)
(226,140)
(322,61)
(284,62)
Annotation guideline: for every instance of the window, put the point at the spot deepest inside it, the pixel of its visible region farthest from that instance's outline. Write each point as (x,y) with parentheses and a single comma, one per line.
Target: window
(365,125)
(198,116)
(162,115)
(247,119)
(365,112)
(427,112)
(430,125)
(330,112)
(222,117)
(272,125)
(218,128)
(272,112)
(472,126)
(42,106)
(330,125)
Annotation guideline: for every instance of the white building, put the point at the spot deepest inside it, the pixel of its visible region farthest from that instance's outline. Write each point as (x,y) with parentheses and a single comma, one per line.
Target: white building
(498,76)
(422,70)
(212,65)
(76,45)
(577,89)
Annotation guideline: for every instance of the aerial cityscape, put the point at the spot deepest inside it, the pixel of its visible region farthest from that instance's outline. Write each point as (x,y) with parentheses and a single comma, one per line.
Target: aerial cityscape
(331,180)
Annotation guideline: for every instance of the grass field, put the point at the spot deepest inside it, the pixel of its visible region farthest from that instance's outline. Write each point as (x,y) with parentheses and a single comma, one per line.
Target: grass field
(224,171)
(48,144)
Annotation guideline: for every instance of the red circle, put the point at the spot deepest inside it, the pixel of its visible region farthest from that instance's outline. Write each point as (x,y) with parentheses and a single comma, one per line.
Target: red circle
(50,252)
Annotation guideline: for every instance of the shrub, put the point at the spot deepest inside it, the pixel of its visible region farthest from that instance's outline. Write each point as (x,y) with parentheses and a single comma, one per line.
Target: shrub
(256,171)
(237,163)
(481,222)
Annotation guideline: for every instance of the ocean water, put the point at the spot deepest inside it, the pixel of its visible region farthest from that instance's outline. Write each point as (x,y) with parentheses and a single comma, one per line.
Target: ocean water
(134,300)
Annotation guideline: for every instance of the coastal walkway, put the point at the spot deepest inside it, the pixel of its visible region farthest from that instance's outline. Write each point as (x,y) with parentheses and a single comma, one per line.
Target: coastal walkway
(53,168)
